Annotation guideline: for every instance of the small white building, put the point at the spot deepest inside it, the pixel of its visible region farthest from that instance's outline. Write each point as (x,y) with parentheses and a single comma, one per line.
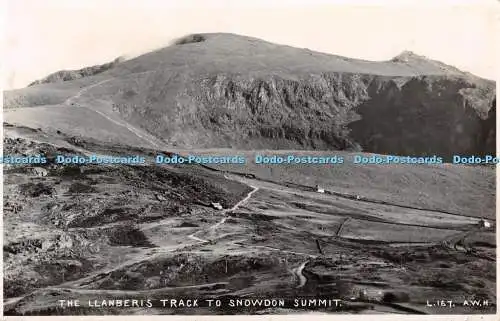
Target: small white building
(38,171)
(358,197)
(484,223)
(217,206)
(319,189)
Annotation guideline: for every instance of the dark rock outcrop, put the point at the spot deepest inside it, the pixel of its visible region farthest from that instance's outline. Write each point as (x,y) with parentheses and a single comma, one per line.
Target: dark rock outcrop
(67,75)
(488,138)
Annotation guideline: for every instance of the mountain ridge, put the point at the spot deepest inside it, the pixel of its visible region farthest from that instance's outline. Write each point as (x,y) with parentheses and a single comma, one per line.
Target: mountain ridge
(228,91)
(68,75)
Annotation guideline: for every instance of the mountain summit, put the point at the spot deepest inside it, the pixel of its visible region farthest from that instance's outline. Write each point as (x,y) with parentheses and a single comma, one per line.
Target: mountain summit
(407,56)
(219,90)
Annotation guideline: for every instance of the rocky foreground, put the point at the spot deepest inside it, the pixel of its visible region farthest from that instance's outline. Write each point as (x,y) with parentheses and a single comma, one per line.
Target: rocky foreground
(150,232)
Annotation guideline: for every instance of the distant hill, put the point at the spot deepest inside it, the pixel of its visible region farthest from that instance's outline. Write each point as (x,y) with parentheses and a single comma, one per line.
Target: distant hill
(67,75)
(229,91)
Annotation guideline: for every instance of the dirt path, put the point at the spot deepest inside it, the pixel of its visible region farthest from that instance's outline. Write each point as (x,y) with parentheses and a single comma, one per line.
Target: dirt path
(341,227)
(222,221)
(249,195)
(70,100)
(135,131)
(194,237)
(235,207)
(300,276)
(283,251)
(126,125)
(85,89)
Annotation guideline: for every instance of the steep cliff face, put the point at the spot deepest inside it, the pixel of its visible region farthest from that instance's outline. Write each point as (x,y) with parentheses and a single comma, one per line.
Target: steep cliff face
(425,115)
(232,91)
(419,115)
(489,133)
(258,112)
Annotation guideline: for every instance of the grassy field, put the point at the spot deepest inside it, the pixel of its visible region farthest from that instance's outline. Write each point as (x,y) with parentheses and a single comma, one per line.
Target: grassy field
(464,190)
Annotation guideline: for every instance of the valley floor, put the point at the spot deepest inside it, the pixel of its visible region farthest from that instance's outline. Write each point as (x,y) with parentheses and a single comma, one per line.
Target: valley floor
(98,232)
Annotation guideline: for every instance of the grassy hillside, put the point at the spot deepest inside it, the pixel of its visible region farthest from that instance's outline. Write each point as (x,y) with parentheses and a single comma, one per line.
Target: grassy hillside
(457,189)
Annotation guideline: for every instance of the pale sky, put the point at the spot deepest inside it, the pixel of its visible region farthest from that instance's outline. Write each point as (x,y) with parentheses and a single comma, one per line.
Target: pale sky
(44,36)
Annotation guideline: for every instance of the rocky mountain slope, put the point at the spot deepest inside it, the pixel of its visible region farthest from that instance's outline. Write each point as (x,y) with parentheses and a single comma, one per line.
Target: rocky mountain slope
(225,90)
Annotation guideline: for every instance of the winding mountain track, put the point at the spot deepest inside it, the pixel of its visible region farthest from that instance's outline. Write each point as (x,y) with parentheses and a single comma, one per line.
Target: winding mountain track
(283,251)
(300,276)
(249,195)
(197,239)
(71,99)
(215,226)
(341,227)
(235,207)
(135,131)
